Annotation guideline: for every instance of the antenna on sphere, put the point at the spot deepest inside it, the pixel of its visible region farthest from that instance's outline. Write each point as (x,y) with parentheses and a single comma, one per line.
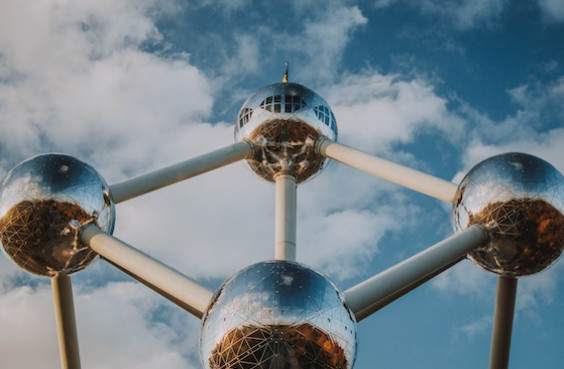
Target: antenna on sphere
(287,73)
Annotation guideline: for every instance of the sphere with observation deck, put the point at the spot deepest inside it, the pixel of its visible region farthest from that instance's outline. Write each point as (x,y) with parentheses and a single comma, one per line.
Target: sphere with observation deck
(284,120)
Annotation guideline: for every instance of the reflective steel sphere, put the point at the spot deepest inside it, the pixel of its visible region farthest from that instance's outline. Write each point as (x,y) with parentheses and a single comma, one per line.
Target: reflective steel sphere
(519,198)
(284,120)
(43,202)
(278,315)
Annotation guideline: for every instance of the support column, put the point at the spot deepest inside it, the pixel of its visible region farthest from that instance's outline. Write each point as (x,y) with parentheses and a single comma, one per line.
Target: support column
(285,218)
(503,322)
(66,322)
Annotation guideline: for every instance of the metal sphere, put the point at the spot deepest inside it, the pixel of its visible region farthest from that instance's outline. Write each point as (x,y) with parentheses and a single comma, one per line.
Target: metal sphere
(278,314)
(519,198)
(284,120)
(43,202)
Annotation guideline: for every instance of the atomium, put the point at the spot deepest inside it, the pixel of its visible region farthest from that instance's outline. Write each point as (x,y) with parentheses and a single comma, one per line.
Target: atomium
(278,314)
(519,198)
(284,120)
(57,215)
(43,203)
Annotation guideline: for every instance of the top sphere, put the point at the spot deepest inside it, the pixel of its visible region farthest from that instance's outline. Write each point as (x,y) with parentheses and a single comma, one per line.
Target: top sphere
(43,202)
(283,120)
(519,198)
(278,314)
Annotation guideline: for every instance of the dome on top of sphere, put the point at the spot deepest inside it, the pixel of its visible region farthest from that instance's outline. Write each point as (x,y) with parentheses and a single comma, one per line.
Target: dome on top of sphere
(284,120)
(278,314)
(43,202)
(519,198)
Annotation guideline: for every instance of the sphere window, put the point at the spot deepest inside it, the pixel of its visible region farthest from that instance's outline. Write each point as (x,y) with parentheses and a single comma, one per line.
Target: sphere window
(279,103)
(326,116)
(245,117)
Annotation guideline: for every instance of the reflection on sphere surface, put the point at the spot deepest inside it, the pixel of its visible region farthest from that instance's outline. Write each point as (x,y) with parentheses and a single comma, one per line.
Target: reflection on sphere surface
(284,120)
(519,198)
(278,314)
(43,202)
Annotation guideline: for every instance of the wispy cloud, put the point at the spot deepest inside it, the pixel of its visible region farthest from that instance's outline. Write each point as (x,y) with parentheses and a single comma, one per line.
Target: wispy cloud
(371,109)
(553,10)
(533,128)
(465,279)
(477,328)
(460,14)
(84,83)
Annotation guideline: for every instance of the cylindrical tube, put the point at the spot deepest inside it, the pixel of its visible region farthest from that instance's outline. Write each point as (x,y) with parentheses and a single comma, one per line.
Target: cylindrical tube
(66,321)
(170,283)
(503,322)
(285,220)
(404,176)
(373,294)
(175,173)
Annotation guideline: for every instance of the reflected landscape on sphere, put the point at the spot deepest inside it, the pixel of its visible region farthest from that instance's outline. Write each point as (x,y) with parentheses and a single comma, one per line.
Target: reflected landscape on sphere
(278,314)
(43,202)
(284,120)
(519,198)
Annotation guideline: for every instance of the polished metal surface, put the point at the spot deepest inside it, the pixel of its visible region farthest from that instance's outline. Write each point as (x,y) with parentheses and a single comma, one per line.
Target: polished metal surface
(278,314)
(519,198)
(284,120)
(43,202)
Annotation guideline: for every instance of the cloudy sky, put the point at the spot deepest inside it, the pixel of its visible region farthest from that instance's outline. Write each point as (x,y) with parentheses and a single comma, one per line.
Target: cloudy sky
(133,85)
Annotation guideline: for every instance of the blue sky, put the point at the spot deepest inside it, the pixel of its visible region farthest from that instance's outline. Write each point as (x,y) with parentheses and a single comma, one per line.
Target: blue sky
(130,86)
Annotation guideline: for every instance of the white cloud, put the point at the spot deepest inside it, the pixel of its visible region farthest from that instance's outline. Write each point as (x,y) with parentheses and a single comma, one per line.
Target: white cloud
(462,14)
(341,243)
(372,113)
(28,324)
(323,40)
(465,279)
(553,10)
(383,3)
(80,78)
(540,289)
(469,14)
(477,328)
(108,318)
(534,128)
(465,14)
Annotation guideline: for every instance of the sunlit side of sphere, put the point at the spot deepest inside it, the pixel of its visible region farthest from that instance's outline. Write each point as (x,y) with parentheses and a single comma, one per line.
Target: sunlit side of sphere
(278,315)
(283,120)
(43,202)
(519,198)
